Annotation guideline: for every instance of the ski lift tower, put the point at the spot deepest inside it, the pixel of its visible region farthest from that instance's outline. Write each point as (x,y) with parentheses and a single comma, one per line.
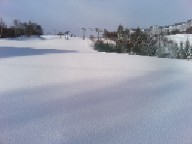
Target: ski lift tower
(83,29)
(98,31)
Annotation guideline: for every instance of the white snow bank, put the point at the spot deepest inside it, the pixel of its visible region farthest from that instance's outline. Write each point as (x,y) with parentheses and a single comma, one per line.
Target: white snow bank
(50,37)
(63,92)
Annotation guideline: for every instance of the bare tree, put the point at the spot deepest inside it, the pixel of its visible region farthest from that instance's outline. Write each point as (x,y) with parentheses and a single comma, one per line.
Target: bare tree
(1,30)
(2,25)
(17,25)
(23,27)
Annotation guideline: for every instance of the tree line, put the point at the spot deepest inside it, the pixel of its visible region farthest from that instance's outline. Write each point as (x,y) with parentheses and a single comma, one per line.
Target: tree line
(139,42)
(177,31)
(19,28)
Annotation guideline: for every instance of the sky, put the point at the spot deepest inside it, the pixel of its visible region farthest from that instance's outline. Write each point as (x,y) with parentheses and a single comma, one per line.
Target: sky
(63,15)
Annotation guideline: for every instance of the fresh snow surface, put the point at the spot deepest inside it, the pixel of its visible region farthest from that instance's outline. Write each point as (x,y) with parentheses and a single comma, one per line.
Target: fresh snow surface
(58,91)
(178,38)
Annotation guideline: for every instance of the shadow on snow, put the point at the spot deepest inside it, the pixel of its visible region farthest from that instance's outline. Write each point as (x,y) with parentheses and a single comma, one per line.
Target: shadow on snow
(8,52)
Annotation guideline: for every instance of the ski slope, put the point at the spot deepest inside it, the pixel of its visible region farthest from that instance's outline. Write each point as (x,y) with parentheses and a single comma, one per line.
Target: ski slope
(57,91)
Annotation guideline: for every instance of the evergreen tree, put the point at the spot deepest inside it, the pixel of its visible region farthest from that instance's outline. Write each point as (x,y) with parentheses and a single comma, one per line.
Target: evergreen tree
(120,42)
(189,30)
(187,48)
(120,31)
(182,51)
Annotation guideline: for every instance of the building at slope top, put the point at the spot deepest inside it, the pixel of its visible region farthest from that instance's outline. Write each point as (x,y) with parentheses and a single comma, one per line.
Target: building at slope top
(181,27)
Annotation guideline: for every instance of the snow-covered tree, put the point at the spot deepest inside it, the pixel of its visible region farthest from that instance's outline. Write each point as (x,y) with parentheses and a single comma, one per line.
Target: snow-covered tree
(182,51)
(187,48)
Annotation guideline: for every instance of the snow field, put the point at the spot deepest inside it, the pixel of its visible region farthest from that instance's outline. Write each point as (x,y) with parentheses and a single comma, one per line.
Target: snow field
(64,92)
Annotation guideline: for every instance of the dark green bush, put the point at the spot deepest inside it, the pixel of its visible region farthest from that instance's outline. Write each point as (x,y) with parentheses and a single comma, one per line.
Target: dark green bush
(102,47)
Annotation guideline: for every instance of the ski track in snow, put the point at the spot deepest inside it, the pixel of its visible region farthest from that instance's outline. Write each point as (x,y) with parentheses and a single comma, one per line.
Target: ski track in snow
(55,91)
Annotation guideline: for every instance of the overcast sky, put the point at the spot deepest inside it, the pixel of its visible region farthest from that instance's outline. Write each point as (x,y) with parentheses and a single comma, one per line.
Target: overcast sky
(61,15)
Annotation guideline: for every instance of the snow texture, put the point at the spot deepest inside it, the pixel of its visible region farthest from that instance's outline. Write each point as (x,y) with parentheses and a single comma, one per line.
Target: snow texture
(57,91)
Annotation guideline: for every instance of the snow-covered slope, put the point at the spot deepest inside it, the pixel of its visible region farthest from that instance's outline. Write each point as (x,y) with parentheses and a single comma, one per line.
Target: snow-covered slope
(59,91)
(178,38)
